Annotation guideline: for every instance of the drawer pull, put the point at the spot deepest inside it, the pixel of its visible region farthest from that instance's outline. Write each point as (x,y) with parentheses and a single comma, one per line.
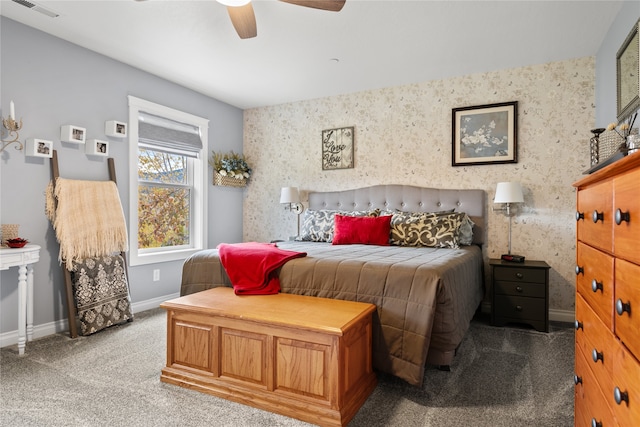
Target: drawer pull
(519,275)
(622,216)
(620,396)
(577,380)
(597,216)
(595,286)
(579,325)
(519,288)
(579,215)
(579,270)
(595,423)
(621,307)
(596,355)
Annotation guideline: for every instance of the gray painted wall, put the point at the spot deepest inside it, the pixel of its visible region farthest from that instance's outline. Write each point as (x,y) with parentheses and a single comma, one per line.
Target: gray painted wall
(54,83)
(606,92)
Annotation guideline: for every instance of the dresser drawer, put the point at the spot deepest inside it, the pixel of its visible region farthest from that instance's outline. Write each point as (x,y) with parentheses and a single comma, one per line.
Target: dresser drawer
(596,202)
(597,343)
(536,290)
(595,281)
(627,305)
(626,211)
(520,274)
(590,402)
(626,375)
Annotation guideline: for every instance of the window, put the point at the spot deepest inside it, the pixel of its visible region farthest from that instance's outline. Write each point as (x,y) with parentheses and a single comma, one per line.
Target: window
(167,193)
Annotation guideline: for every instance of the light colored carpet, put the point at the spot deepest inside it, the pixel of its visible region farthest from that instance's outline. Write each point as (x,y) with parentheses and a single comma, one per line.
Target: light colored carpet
(509,376)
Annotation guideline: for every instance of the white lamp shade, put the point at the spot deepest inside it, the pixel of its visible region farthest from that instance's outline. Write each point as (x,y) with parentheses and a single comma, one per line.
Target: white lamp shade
(289,195)
(233,3)
(508,192)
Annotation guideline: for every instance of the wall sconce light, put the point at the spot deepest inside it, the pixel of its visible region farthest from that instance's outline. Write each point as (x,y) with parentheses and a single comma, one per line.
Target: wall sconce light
(12,127)
(291,197)
(508,193)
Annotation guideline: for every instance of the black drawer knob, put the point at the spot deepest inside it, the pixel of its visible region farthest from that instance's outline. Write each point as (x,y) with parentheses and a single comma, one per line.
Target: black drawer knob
(579,270)
(579,216)
(595,423)
(622,216)
(596,355)
(577,380)
(597,286)
(621,307)
(597,216)
(620,396)
(519,288)
(519,275)
(579,325)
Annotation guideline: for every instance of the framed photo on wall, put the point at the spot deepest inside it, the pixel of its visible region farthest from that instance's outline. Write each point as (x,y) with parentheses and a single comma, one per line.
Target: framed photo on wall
(485,134)
(337,148)
(97,147)
(39,148)
(71,133)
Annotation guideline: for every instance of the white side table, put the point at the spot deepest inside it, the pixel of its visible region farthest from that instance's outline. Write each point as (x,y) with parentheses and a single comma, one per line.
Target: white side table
(23,258)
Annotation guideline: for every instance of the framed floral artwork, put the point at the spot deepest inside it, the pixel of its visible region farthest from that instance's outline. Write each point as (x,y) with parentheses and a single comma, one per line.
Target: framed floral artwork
(337,148)
(485,134)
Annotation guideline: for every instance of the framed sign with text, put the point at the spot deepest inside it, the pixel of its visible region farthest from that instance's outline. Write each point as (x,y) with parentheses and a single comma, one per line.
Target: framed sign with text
(337,148)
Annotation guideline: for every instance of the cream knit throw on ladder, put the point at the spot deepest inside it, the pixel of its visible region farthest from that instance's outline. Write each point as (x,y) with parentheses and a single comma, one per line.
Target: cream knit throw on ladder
(87,217)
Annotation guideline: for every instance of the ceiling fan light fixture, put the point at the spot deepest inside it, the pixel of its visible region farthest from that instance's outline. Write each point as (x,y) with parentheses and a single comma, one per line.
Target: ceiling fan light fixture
(234,3)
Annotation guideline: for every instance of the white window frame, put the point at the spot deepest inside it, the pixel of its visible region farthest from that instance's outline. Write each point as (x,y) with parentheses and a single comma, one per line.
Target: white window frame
(199,197)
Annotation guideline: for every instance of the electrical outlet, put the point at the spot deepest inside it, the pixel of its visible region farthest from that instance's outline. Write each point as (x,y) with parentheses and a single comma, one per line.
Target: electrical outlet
(156,275)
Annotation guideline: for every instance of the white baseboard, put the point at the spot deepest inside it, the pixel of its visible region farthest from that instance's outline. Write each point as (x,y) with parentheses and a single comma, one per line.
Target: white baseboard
(58,326)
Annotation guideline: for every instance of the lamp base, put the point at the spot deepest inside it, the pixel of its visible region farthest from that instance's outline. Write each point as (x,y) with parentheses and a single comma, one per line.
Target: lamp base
(512,258)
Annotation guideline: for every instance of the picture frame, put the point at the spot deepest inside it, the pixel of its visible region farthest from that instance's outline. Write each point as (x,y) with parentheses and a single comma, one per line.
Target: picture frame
(485,134)
(337,148)
(97,147)
(115,129)
(36,147)
(628,74)
(74,134)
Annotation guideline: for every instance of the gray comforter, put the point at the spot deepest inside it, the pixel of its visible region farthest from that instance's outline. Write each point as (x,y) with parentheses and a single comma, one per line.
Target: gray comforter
(425,297)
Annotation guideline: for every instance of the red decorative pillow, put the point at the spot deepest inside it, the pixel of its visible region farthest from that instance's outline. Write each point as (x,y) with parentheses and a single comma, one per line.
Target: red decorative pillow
(350,230)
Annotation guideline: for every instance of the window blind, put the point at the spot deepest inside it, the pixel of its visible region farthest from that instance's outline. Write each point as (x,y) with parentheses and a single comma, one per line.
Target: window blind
(163,134)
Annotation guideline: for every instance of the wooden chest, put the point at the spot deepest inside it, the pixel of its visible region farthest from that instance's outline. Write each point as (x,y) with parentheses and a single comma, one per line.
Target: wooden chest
(304,357)
(608,296)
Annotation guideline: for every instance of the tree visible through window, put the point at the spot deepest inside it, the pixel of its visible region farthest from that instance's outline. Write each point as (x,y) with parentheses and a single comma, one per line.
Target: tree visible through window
(164,199)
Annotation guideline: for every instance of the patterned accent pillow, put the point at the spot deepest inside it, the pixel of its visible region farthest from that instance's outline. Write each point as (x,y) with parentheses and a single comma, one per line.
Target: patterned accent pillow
(426,229)
(406,227)
(318,225)
(466,230)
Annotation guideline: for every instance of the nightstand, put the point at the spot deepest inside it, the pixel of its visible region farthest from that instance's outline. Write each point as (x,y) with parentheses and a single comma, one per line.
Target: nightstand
(520,293)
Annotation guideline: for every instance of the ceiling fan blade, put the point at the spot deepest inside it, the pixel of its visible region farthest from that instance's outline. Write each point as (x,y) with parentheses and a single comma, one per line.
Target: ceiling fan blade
(330,5)
(243,20)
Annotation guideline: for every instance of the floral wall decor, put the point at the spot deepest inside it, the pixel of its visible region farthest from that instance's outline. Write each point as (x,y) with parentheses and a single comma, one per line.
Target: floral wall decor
(230,169)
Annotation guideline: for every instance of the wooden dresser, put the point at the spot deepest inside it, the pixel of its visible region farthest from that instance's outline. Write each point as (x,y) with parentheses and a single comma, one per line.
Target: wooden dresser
(607,367)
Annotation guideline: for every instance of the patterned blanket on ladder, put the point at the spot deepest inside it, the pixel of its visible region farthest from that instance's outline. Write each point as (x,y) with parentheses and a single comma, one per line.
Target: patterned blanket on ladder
(101,292)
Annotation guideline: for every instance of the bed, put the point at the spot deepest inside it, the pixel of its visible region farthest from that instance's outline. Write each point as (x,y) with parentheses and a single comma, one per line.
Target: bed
(425,296)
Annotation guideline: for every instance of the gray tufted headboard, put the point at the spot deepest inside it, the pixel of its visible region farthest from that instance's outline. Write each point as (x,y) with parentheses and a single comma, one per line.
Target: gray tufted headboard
(407,198)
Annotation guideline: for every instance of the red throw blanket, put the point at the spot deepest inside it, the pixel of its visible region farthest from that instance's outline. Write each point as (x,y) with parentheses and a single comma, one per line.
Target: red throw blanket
(251,266)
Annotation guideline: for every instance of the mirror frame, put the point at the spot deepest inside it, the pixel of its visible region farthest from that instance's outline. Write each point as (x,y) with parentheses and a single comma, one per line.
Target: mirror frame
(629,53)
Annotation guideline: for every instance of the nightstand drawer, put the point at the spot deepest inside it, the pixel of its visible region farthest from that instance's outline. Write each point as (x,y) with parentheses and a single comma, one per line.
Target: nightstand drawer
(519,308)
(536,290)
(519,274)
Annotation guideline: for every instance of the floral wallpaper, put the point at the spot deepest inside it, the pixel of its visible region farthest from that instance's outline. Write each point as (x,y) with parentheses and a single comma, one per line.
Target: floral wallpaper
(402,135)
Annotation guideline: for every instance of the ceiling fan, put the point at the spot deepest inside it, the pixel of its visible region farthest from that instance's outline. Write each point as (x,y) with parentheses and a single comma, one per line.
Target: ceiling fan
(244,20)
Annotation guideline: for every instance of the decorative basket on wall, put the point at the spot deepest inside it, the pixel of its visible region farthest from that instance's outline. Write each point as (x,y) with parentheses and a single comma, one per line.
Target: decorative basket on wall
(227,181)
